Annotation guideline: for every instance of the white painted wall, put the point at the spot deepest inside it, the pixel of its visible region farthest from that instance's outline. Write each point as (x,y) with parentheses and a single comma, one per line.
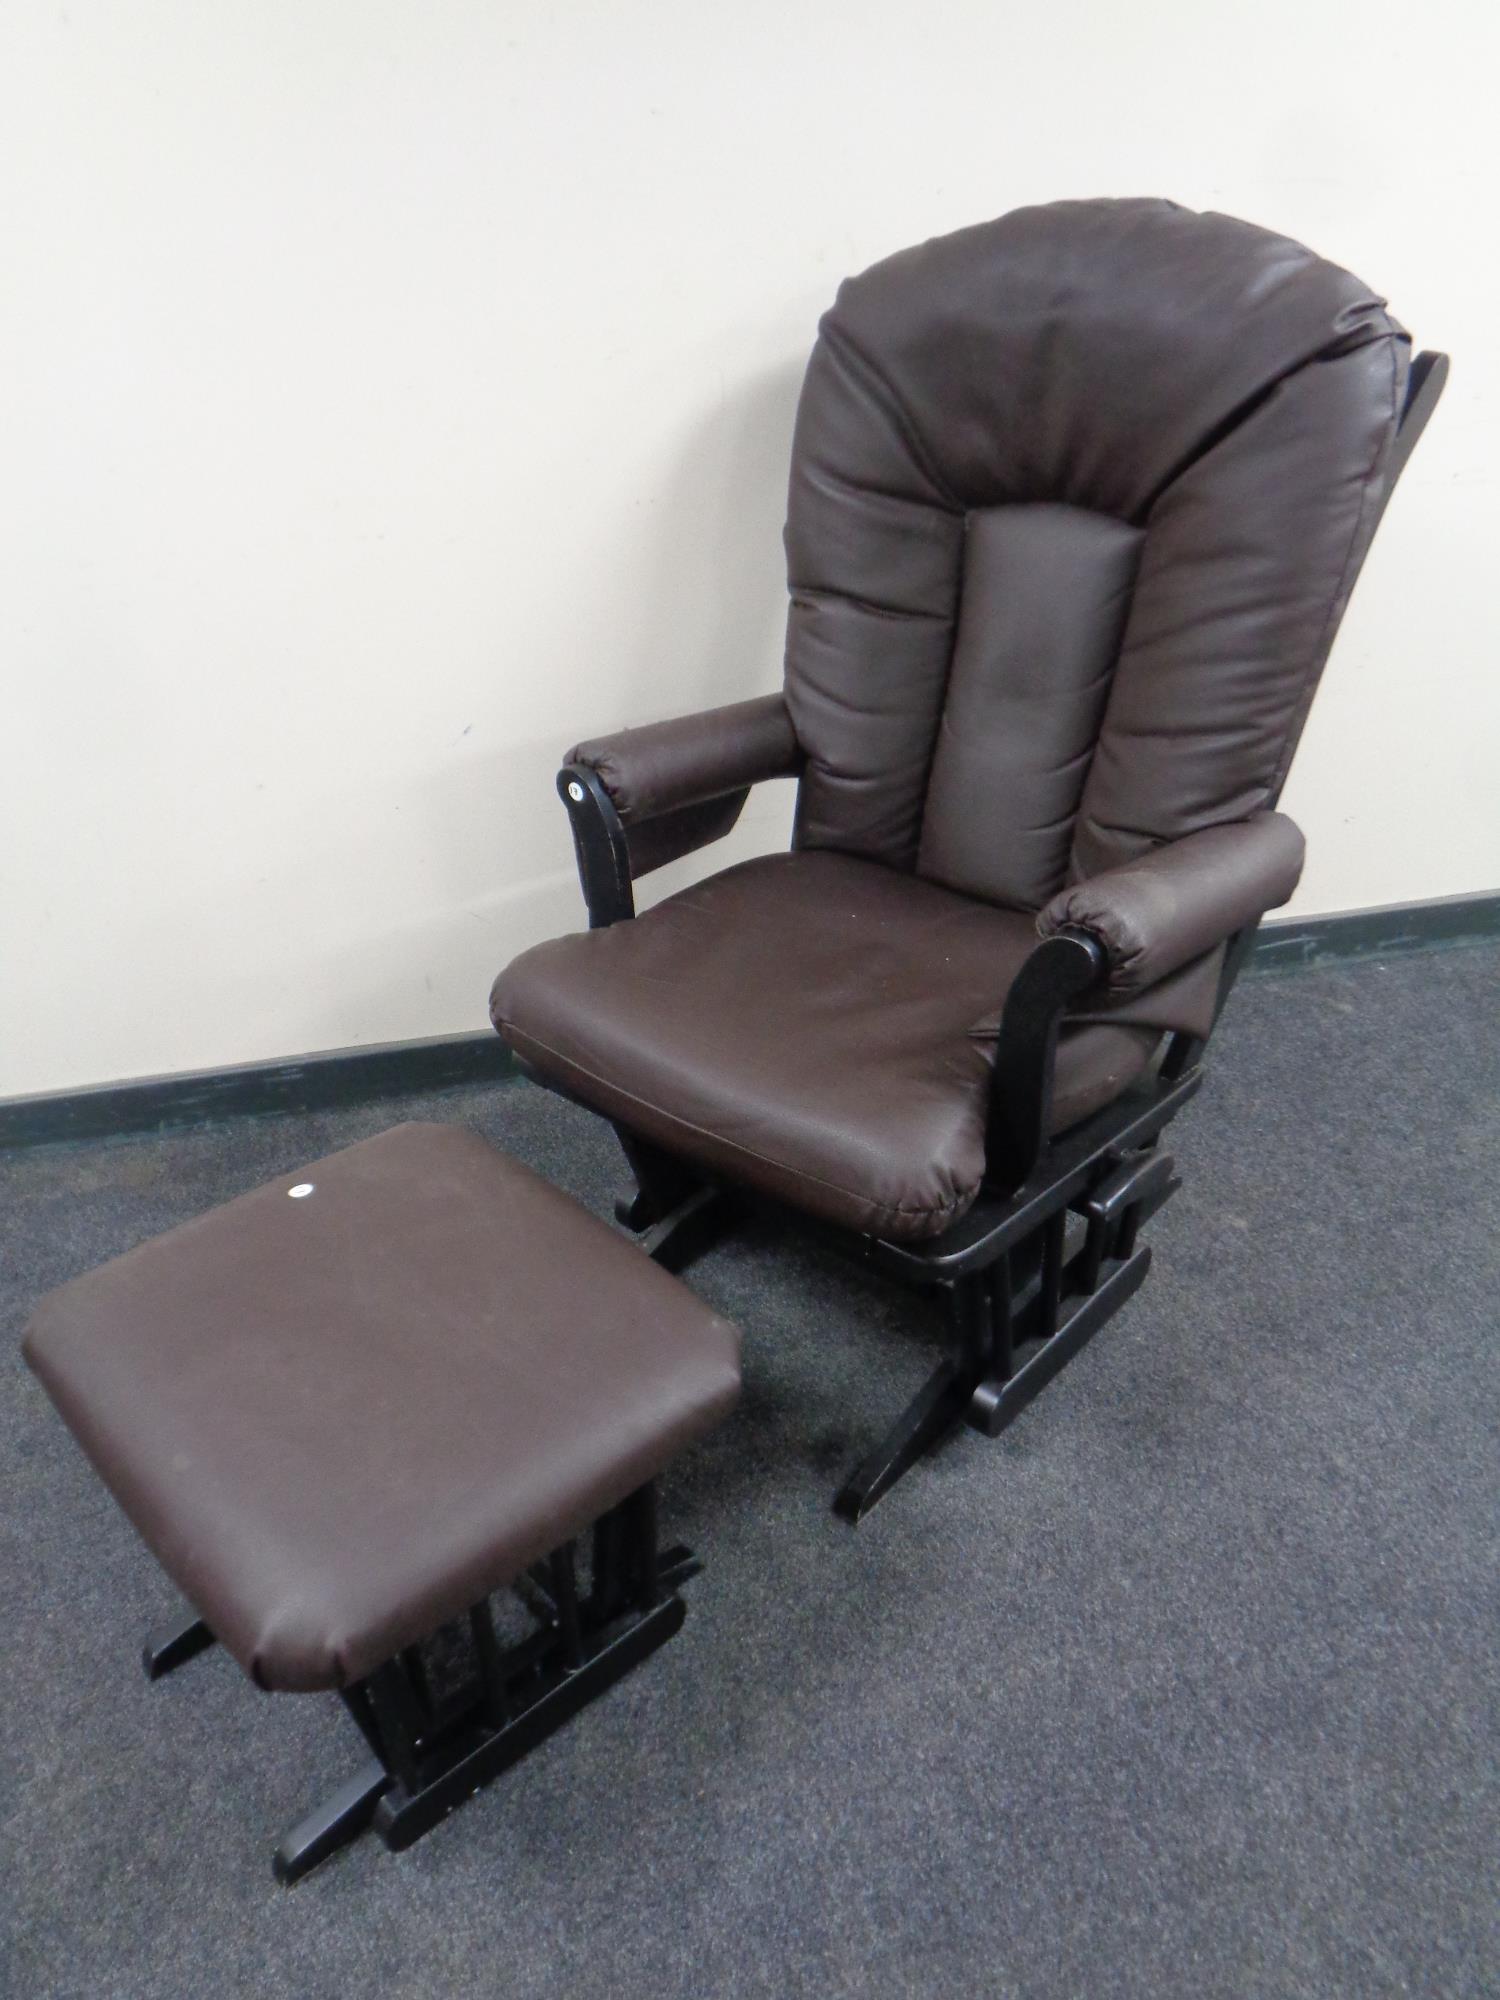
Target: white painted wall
(391,392)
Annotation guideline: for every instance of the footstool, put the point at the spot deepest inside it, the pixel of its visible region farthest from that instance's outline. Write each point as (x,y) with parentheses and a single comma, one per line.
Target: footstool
(347,1410)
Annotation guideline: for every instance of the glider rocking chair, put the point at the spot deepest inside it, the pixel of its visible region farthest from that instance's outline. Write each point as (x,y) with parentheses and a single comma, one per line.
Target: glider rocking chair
(1077,501)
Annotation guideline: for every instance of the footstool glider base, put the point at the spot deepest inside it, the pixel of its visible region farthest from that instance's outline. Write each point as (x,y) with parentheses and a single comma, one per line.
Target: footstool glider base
(432,1751)
(393,1425)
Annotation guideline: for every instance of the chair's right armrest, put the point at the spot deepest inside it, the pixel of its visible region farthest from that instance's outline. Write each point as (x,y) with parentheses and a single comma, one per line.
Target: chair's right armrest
(692,758)
(1180,899)
(643,797)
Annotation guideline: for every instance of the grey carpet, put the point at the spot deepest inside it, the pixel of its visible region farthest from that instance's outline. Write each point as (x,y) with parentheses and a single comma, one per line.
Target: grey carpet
(1187,1686)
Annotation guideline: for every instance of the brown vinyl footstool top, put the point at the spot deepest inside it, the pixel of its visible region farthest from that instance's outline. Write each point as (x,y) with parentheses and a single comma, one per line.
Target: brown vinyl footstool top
(342,1416)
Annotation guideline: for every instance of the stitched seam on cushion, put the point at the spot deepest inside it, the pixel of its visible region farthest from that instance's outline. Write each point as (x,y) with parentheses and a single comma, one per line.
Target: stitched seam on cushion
(820,593)
(688,1124)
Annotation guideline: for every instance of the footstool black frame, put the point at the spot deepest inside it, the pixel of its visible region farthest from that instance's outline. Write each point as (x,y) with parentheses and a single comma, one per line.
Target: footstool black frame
(448,1701)
(433,1747)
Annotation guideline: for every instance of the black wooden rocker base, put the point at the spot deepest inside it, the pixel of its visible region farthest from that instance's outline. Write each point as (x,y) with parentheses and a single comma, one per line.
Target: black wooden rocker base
(706,1029)
(444,1719)
(1046,1255)
(1063,1260)
(1024,1280)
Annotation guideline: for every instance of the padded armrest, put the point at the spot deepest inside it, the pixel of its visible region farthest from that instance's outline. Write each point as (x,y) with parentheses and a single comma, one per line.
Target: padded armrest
(1175,903)
(693,757)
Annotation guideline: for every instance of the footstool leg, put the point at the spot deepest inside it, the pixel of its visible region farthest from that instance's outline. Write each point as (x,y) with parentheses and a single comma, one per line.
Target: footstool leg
(436,1741)
(333,1824)
(661,1182)
(640,1511)
(402,1816)
(685,1232)
(171,1644)
(677,1565)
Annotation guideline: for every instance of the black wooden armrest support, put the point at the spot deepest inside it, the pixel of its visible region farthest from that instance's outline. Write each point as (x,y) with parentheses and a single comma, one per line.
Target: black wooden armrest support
(599,843)
(1059,972)
(849,1040)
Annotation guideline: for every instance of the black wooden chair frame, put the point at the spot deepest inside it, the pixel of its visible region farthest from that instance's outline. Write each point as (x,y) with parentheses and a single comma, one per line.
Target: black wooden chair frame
(1050,1250)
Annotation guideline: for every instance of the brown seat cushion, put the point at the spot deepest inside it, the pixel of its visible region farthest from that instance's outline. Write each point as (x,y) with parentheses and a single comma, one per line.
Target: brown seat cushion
(340,1420)
(814,1025)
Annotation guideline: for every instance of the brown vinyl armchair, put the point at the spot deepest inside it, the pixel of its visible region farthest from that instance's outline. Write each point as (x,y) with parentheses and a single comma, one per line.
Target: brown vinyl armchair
(1077,500)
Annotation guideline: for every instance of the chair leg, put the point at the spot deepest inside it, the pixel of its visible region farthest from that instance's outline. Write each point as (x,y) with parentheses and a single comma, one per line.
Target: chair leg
(997,1402)
(694,1226)
(1035,1298)
(174,1642)
(937,1409)
(662,1182)
(333,1824)
(432,1746)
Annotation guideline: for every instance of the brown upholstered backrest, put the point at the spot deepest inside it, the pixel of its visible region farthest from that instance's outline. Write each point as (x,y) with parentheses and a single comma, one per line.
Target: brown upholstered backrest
(1077,500)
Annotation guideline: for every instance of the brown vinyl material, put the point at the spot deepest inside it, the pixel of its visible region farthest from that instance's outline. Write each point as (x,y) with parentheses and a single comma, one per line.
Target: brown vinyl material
(1214,389)
(677,785)
(1045,597)
(692,758)
(1163,910)
(341,1419)
(813,1025)
(1078,497)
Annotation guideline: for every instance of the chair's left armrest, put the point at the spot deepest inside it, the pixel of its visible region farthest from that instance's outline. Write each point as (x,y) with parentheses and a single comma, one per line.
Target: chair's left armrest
(1178,901)
(692,758)
(643,797)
